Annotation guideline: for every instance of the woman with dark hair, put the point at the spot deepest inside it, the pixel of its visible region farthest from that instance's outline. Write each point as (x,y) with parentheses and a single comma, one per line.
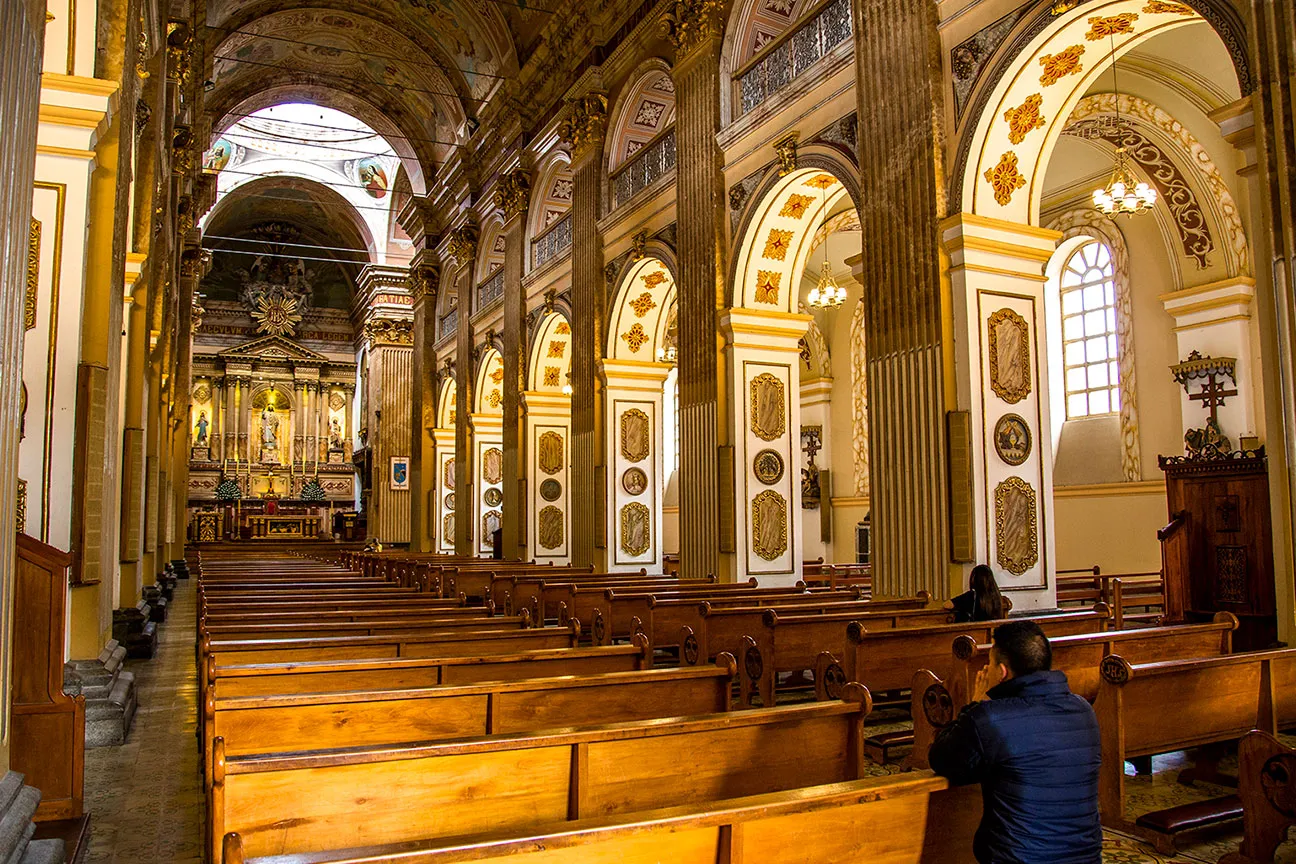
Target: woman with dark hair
(982,601)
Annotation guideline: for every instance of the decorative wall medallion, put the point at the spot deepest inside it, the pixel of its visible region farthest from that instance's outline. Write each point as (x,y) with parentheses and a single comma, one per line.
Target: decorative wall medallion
(551,376)
(202,392)
(1005,179)
(767,286)
(634,529)
(449,501)
(1012,439)
(635,337)
(1016,528)
(494,399)
(493,497)
(634,481)
(550,533)
(1230,574)
(493,465)
(643,304)
(634,435)
(563,328)
(491,521)
(551,490)
(557,347)
(653,279)
(447,529)
(769,525)
(1009,356)
(448,474)
(1102,27)
(549,453)
(1060,65)
(1024,119)
(795,206)
(336,401)
(768,407)
(768,467)
(777,244)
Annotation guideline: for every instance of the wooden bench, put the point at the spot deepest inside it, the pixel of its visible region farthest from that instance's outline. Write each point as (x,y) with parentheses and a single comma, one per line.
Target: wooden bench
(1267,795)
(365,626)
(328,799)
(879,819)
(363,718)
(936,700)
(1142,712)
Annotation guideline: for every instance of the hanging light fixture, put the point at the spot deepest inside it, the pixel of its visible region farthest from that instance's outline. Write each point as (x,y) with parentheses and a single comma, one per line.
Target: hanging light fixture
(826,294)
(669,354)
(1124,194)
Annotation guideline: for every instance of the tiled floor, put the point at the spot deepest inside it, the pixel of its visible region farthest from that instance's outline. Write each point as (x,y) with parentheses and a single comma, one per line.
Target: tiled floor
(144,797)
(146,804)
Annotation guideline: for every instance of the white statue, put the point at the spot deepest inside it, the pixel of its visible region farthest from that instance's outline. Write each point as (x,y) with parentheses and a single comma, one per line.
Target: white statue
(269,429)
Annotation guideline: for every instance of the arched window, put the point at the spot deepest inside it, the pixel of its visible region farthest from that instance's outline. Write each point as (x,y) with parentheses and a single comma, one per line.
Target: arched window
(1089,343)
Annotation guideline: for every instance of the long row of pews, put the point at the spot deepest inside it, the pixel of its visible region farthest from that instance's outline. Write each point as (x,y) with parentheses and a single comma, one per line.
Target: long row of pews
(420,708)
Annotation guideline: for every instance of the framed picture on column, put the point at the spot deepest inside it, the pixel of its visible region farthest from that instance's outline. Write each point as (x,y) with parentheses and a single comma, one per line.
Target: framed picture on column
(400,472)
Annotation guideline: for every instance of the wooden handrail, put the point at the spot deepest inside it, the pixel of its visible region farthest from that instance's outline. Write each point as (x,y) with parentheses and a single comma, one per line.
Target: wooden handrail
(1177,522)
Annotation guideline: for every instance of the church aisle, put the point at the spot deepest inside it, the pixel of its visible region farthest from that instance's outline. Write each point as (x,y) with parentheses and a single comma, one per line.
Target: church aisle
(144,796)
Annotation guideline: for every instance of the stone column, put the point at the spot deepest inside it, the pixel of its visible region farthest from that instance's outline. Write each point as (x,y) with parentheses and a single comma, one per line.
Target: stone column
(584,133)
(694,27)
(134,449)
(463,246)
(217,433)
(424,282)
(902,191)
(299,431)
(391,353)
(512,196)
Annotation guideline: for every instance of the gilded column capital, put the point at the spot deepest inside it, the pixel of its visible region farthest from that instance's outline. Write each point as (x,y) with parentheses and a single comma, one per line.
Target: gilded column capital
(584,128)
(389,331)
(690,23)
(786,150)
(424,282)
(513,193)
(463,243)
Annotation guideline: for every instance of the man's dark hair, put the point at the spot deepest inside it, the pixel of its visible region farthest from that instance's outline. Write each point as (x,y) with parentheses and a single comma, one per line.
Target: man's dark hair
(1023,646)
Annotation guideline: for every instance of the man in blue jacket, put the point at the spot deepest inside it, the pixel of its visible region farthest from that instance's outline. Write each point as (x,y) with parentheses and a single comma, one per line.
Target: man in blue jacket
(1033,746)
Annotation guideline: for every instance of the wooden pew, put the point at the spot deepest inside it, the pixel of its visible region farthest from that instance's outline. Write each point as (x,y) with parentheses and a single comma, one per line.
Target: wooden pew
(935,701)
(329,799)
(254,679)
(881,819)
(1267,795)
(368,625)
(1142,712)
(359,718)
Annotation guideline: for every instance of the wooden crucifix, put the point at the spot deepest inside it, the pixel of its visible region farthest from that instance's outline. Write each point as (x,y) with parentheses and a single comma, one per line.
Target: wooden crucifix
(1211,372)
(1212,395)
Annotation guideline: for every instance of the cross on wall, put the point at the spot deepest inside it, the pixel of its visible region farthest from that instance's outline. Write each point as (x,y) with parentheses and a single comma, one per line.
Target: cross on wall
(1212,395)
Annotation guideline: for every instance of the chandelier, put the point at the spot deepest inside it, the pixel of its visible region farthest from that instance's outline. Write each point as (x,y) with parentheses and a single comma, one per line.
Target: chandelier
(826,294)
(669,354)
(1124,194)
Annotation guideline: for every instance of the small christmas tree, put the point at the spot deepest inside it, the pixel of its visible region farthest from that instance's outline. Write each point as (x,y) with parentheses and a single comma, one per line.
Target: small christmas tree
(228,490)
(312,491)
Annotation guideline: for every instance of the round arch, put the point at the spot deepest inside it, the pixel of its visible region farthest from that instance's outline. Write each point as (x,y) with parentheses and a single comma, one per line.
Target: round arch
(490,252)
(446,403)
(551,202)
(640,313)
(644,110)
(550,359)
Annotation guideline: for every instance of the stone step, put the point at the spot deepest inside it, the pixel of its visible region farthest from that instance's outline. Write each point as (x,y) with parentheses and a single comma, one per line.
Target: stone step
(45,852)
(16,826)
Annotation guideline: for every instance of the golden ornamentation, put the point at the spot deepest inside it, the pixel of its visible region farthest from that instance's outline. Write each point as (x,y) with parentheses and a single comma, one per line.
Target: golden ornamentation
(563,329)
(643,304)
(550,532)
(584,128)
(513,193)
(493,465)
(423,282)
(20,508)
(557,348)
(777,244)
(389,331)
(336,401)
(1009,345)
(635,337)
(768,467)
(277,314)
(1102,27)
(634,435)
(551,374)
(142,53)
(638,246)
(491,520)
(1005,179)
(1012,439)
(497,376)
(767,286)
(690,23)
(463,243)
(33,275)
(785,149)
(1025,118)
(769,525)
(796,205)
(201,392)
(494,399)
(1060,65)
(447,529)
(448,474)
(1061,7)
(635,529)
(549,453)
(822,182)
(634,481)
(196,313)
(768,407)
(1157,7)
(1016,526)
(653,279)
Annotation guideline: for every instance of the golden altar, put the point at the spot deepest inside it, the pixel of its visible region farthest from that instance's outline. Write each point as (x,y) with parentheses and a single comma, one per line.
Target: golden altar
(283,527)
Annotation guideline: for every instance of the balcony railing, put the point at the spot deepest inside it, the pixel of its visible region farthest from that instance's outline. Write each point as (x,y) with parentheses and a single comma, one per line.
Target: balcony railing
(650,164)
(491,290)
(781,62)
(449,323)
(555,240)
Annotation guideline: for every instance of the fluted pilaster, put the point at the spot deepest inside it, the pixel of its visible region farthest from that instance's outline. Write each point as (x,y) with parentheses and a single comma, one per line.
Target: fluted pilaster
(424,281)
(463,247)
(512,196)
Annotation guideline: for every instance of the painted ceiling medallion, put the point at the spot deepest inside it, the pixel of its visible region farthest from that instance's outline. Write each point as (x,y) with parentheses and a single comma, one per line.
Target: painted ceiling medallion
(1005,179)
(643,304)
(1024,119)
(1115,25)
(822,181)
(563,329)
(1060,65)
(767,286)
(551,374)
(557,347)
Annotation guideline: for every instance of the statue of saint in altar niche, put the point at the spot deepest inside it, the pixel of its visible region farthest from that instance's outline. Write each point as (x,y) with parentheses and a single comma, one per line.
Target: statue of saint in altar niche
(200,430)
(335,436)
(269,431)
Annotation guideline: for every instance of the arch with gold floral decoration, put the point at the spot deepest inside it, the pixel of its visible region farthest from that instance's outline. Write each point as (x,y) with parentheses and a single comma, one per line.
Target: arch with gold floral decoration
(488,394)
